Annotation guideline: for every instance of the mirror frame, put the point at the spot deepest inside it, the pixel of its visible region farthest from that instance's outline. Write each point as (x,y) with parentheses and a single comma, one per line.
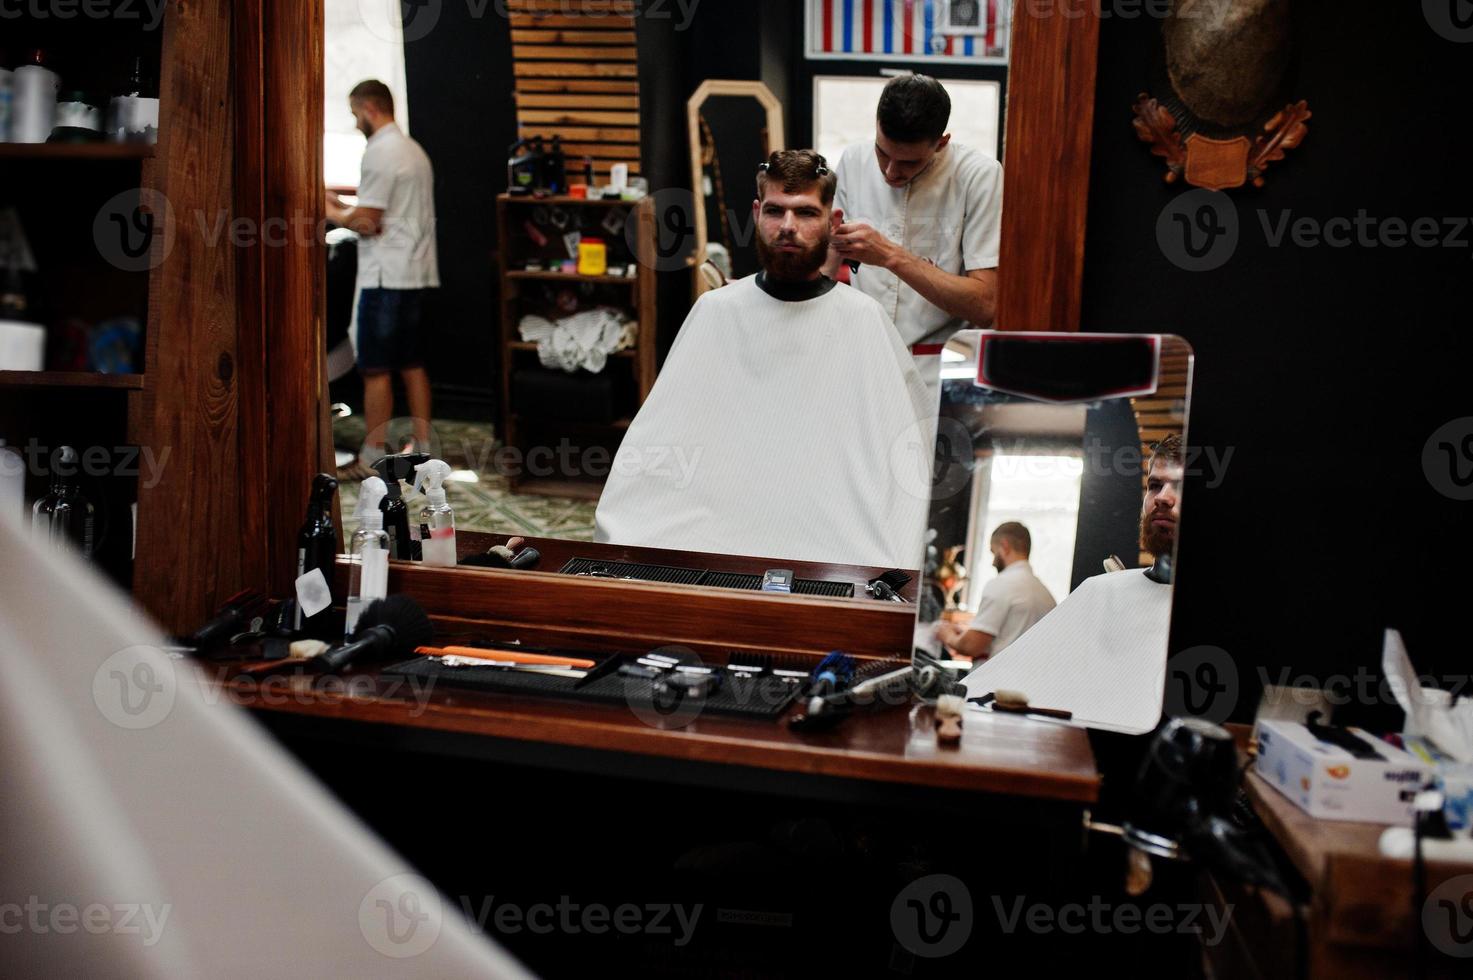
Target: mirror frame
(776,131)
(281,314)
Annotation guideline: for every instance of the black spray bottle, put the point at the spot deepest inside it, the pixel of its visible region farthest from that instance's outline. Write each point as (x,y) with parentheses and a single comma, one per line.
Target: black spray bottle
(63,519)
(317,545)
(392,469)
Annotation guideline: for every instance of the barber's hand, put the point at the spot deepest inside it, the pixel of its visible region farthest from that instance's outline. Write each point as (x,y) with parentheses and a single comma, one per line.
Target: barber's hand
(831,263)
(949,633)
(860,242)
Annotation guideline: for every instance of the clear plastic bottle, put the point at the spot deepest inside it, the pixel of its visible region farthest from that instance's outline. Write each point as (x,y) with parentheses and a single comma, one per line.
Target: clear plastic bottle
(436,519)
(63,519)
(368,554)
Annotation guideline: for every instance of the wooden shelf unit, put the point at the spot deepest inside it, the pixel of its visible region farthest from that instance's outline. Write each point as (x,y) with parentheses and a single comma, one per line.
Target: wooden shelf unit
(197,404)
(637,363)
(70,379)
(77,151)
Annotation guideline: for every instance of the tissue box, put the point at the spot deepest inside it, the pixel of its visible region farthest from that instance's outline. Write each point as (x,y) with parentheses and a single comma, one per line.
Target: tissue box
(1328,782)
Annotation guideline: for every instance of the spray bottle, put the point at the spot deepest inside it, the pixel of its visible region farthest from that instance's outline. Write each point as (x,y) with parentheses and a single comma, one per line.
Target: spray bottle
(368,568)
(436,519)
(317,543)
(63,518)
(399,466)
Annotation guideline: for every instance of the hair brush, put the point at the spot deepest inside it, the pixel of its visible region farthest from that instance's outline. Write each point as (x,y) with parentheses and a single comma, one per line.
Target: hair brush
(390,627)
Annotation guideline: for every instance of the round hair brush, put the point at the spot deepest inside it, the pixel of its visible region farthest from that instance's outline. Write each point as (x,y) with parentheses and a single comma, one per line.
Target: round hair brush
(390,627)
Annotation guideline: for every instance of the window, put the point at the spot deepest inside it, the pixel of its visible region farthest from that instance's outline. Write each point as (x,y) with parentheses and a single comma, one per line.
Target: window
(1042,494)
(844,112)
(363,39)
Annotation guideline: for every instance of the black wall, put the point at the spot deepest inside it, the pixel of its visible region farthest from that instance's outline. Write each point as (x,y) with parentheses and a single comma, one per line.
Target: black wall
(1109,495)
(1323,370)
(460,110)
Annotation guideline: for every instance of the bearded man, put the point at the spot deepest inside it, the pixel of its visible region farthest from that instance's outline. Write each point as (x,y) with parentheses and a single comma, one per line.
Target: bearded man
(772,427)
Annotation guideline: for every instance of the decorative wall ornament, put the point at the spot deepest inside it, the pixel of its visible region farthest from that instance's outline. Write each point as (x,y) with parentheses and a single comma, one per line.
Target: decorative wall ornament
(1219,164)
(1224,120)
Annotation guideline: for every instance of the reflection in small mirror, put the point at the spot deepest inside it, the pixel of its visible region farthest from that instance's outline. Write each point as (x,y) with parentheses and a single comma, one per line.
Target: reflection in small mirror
(1052,532)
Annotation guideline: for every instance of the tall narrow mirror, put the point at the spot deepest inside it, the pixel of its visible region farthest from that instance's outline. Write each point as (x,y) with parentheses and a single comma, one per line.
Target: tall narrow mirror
(731,127)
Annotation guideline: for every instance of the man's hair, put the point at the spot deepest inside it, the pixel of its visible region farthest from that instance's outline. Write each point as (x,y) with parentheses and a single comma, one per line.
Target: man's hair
(375,91)
(913,109)
(1016,535)
(798,170)
(1168,450)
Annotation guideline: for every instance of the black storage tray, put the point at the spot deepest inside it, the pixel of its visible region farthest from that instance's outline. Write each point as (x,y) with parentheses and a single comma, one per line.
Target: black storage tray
(759,697)
(763,696)
(698,576)
(506,681)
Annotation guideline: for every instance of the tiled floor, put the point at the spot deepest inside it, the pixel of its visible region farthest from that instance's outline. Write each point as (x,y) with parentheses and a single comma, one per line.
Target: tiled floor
(487,504)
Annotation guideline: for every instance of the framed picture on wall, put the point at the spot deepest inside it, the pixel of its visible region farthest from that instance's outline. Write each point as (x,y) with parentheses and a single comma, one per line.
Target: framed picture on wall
(929,31)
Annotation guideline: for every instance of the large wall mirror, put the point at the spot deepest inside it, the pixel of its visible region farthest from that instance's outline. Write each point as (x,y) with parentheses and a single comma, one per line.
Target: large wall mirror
(1046,184)
(1054,518)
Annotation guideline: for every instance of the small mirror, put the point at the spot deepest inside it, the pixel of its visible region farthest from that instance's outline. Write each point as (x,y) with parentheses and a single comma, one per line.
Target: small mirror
(1051,538)
(733,126)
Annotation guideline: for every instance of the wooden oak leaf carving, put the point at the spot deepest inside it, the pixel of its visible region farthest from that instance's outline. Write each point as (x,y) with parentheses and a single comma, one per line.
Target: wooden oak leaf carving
(1154,124)
(1283,132)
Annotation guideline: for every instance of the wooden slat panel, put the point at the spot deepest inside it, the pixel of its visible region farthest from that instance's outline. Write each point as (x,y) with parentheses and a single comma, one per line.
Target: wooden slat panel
(572,37)
(574,69)
(537,21)
(581,133)
(557,52)
(606,151)
(579,100)
(577,78)
(559,117)
(608,86)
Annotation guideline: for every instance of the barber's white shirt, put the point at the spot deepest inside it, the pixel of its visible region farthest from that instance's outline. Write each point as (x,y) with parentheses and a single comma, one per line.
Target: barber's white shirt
(397,177)
(950,214)
(1011,603)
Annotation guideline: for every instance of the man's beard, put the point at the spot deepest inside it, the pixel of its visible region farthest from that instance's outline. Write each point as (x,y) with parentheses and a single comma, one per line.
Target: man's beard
(997,562)
(1157,541)
(792,266)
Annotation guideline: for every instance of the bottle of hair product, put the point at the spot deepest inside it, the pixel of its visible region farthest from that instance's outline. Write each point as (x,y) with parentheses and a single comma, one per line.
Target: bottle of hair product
(7,96)
(63,519)
(368,555)
(317,544)
(12,485)
(392,469)
(34,105)
(133,112)
(436,519)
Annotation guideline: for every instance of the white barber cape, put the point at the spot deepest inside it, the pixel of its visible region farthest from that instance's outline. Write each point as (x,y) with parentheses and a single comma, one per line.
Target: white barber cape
(149,829)
(1101,653)
(786,429)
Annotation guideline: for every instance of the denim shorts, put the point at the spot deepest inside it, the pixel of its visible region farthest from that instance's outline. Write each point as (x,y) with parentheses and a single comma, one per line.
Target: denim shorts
(389,330)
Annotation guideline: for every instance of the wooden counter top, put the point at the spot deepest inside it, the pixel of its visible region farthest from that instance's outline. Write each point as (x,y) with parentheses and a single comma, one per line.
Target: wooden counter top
(998,754)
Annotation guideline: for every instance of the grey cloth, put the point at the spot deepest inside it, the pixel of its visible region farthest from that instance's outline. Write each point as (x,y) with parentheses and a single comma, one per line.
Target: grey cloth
(149,829)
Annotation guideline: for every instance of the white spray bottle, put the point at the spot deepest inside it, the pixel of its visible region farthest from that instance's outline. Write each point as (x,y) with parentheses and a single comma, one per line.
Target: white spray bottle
(368,569)
(436,519)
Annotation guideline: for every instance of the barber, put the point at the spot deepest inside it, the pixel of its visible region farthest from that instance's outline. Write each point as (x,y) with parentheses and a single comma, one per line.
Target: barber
(923,217)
